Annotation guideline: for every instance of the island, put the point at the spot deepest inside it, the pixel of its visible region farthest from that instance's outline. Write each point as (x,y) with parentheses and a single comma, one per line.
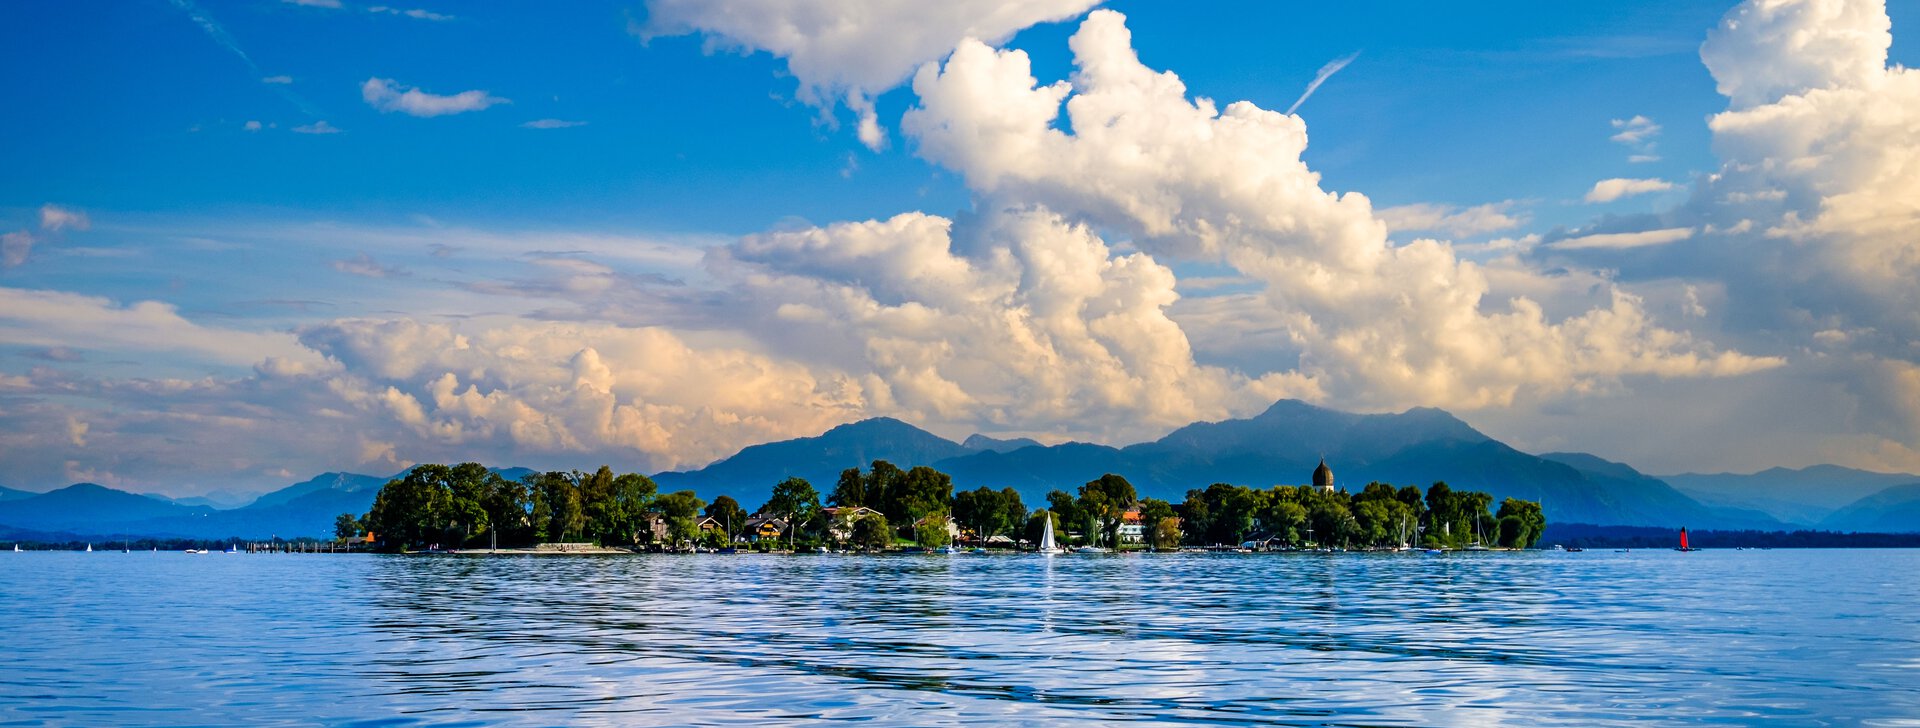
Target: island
(467,508)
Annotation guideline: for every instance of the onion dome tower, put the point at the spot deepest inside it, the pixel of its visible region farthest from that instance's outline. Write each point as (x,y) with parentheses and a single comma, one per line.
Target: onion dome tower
(1323,477)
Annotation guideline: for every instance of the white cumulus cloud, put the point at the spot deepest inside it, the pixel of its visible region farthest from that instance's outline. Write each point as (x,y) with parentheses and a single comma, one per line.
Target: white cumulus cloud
(1608,190)
(1374,324)
(850,52)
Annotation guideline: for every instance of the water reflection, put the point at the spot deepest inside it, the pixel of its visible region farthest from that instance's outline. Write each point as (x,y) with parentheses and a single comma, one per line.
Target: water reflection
(1535,639)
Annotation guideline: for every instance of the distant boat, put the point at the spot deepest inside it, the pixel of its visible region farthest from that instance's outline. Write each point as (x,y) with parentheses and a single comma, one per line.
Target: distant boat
(1047,546)
(1683,541)
(16,548)
(89,548)
(231,549)
(1574,549)
(949,549)
(1089,550)
(979,550)
(1435,552)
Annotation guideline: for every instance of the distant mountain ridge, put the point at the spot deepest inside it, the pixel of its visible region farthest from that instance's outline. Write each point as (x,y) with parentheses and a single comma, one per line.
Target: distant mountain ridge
(1280,445)
(1894,510)
(1803,496)
(304,509)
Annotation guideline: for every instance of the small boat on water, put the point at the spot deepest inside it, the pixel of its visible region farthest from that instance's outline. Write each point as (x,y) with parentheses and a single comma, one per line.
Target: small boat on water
(1089,550)
(949,549)
(1435,552)
(1047,546)
(1574,549)
(979,550)
(16,548)
(1683,542)
(89,548)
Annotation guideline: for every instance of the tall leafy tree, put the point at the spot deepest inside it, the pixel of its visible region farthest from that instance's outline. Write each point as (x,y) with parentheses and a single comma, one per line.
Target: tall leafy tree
(872,533)
(795,500)
(1103,500)
(728,512)
(850,491)
(346,526)
(1521,523)
(681,508)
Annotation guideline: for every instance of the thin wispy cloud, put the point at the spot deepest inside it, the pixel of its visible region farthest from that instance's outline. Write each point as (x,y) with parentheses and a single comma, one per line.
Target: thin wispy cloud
(415,13)
(364,265)
(318,127)
(387,95)
(1321,77)
(552,124)
(1623,241)
(220,36)
(1637,133)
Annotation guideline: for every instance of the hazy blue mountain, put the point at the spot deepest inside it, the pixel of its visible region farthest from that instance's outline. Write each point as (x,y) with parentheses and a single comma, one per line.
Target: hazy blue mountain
(7,494)
(87,508)
(1035,470)
(341,482)
(223,499)
(749,475)
(1806,496)
(1659,502)
(985,443)
(1894,510)
(1279,446)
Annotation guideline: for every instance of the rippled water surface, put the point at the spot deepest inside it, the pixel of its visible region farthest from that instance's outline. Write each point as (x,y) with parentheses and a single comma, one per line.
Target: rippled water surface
(1730,637)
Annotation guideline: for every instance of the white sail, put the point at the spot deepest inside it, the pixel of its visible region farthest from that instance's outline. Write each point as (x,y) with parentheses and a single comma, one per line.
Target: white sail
(1047,545)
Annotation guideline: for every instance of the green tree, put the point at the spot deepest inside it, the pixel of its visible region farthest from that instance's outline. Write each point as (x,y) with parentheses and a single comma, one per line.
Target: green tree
(630,500)
(1521,523)
(931,530)
(1154,514)
(1165,533)
(1013,512)
(1060,504)
(728,512)
(987,511)
(558,499)
(872,533)
(346,526)
(850,491)
(795,500)
(681,508)
(506,503)
(1103,501)
(410,510)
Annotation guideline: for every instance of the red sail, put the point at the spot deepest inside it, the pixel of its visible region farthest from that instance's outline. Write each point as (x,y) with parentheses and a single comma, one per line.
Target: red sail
(1683,539)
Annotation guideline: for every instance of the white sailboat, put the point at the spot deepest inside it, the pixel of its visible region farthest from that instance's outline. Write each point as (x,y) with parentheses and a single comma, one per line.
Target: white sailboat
(89,548)
(1047,546)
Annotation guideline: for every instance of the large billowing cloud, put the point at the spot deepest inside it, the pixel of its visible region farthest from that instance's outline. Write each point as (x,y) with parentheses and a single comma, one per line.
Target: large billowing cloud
(1003,322)
(1053,306)
(1375,324)
(850,52)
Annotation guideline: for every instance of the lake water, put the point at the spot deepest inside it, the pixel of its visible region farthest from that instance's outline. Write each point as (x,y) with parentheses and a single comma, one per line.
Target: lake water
(1547,638)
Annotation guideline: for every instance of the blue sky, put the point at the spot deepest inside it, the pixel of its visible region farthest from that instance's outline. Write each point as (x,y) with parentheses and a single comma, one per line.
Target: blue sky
(662,181)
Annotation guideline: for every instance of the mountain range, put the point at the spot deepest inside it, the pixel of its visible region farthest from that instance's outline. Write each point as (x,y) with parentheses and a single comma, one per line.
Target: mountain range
(1281,445)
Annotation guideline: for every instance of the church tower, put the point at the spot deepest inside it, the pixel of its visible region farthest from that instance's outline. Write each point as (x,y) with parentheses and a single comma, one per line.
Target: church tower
(1323,477)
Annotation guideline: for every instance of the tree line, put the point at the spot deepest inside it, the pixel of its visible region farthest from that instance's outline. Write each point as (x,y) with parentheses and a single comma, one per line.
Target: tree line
(468,505)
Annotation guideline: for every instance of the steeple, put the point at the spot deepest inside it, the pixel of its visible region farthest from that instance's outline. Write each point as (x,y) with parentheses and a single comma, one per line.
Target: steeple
(1323,476)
